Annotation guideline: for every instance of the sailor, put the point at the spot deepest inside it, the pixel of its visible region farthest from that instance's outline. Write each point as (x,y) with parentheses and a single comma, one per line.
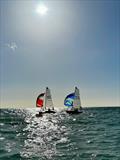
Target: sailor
(49,110)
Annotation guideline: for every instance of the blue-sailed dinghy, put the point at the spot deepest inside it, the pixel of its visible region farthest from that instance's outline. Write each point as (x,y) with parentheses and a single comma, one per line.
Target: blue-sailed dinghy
(44,103)
(72,102)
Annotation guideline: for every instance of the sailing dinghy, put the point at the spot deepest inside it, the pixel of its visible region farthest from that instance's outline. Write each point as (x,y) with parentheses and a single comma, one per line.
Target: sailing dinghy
(73,102)
(44,103)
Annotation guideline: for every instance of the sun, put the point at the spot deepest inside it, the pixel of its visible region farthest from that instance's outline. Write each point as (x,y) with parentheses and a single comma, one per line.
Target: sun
(41,9)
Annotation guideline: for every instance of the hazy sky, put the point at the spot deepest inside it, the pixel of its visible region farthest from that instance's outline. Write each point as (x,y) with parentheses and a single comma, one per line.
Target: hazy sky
(76,43)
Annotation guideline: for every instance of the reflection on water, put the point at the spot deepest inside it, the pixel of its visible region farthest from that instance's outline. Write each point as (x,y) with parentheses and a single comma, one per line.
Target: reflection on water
(43,134)
(92,135)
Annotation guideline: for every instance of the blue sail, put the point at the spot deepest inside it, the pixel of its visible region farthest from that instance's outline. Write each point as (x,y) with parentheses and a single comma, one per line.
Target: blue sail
(68,102)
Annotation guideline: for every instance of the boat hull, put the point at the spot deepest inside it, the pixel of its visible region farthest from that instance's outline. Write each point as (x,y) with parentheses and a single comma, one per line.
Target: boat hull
(40,114)
(49,111)
(74,112)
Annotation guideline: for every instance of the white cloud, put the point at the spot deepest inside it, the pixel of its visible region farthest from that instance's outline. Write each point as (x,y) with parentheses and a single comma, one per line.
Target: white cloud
(12,46)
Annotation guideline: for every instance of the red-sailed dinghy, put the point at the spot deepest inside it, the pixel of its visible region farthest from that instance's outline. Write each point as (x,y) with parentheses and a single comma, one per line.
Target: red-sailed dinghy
(44,103)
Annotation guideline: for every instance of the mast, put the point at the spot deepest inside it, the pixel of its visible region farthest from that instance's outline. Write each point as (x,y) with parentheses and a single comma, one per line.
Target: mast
(45,98)
(44,102)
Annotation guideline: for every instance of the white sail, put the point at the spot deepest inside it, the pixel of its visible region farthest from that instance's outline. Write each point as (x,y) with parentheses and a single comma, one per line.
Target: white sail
(48,99)
(77,101)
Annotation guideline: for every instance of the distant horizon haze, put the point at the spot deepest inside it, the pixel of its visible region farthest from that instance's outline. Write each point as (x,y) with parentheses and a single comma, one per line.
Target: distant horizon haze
(66,44)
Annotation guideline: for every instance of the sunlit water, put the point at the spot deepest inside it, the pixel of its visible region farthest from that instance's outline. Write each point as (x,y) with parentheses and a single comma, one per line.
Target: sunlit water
(92,135)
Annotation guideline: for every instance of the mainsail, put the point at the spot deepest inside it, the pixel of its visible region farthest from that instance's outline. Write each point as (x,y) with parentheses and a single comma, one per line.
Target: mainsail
(77,101)
(48,100)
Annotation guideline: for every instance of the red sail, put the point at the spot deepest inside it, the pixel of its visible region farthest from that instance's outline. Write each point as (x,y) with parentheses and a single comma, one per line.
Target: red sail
(40,100)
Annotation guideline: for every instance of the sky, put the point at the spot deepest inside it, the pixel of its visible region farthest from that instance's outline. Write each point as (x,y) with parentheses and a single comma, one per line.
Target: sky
(76,43)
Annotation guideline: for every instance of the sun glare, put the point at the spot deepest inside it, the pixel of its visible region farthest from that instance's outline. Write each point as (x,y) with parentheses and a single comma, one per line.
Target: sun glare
(41,9)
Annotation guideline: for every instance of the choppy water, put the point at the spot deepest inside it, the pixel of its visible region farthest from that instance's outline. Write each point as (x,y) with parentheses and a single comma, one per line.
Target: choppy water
(92,135)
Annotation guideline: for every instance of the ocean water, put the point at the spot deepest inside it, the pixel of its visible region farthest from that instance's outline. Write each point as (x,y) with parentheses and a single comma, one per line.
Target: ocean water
(92,135)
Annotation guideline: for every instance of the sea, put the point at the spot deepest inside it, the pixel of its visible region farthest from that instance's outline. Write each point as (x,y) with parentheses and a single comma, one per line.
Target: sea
(91,135)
